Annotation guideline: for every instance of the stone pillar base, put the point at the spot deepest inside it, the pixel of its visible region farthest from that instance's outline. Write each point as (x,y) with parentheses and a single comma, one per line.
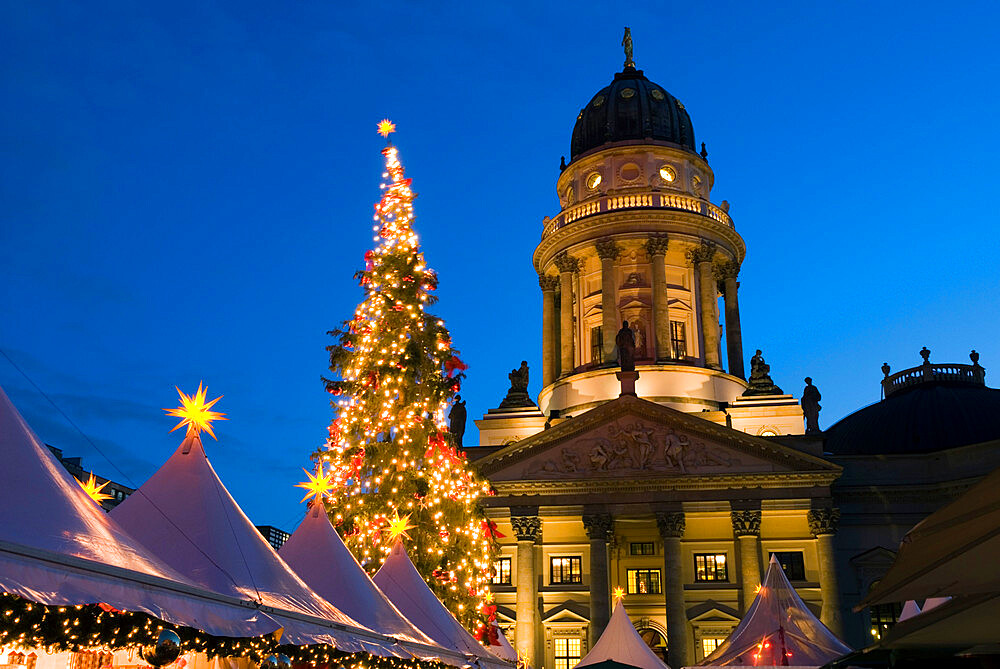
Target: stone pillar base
(628,380)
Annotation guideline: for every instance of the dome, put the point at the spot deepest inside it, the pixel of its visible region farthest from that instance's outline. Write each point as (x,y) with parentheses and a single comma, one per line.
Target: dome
(631,108)
(947,410)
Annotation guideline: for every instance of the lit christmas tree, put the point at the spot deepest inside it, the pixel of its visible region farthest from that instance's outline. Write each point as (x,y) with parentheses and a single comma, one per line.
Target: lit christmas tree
(392,466)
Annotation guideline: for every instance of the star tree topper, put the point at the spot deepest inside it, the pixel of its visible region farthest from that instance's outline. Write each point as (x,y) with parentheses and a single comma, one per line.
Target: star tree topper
(195,412)
(385,127)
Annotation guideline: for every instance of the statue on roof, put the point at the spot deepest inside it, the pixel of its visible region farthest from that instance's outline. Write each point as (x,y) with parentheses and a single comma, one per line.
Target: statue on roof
(517,396)
(810,407)
(456,420)
(625,341)
(760,377)
(627,43)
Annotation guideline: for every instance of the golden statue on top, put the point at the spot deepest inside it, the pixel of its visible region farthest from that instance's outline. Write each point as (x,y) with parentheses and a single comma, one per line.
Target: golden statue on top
(627,43)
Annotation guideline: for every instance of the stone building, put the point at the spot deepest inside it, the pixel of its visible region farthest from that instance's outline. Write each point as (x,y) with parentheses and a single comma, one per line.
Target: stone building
(679,489)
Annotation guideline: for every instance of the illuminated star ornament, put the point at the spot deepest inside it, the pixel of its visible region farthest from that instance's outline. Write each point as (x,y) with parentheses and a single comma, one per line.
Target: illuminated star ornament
(398,527)
(318,486)
(94,490)
(385,127)
(195,412)
(618,593)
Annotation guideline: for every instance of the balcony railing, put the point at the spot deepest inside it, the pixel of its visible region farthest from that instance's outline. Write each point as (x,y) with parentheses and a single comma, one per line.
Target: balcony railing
(638,201)
(926,373)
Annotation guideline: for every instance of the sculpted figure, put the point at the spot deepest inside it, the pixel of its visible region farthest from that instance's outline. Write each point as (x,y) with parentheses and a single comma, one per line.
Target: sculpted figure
(760,377)
(627,43)
(519,378)
(810,406)
(625,341)
(456,420)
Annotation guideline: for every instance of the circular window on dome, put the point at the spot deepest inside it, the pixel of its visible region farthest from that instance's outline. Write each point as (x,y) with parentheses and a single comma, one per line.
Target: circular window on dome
(627,93)
(598,101)
(656,94)
(668,174)
(593,180)
(629,172)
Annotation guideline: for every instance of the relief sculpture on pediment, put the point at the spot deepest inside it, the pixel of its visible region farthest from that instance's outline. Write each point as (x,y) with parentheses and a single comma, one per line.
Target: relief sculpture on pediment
(637,447)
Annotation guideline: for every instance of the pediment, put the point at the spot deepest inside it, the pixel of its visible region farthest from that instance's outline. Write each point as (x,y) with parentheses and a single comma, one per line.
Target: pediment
(630,438)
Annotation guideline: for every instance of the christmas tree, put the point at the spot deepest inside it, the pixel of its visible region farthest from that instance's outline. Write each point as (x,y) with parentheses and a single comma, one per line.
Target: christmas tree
(393,469)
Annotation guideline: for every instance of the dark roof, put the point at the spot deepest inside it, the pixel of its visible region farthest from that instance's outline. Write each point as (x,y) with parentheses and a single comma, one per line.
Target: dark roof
(922,419)
(631,107)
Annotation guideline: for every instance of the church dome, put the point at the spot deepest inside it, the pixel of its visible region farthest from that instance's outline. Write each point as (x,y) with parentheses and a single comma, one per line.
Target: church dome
(926,408)
(631,108)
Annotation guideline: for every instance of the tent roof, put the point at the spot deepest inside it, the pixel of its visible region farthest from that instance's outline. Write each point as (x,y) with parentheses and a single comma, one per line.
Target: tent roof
(951,552)
(622,644)
(503,649)
(318,555)
(778,623)
(403,585)
(58,547)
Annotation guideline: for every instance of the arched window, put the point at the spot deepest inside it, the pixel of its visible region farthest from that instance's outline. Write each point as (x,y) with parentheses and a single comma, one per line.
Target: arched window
(656,641)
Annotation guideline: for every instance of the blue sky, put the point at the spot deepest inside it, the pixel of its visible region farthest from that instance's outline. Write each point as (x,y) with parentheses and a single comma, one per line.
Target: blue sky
(186,192)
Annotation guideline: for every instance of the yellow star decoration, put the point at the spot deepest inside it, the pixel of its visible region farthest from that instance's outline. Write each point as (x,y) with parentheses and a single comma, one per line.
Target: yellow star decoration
(194,411)
(618,593)
(318,485)
(94,490)
(398,527)
(385,126)
(488,597)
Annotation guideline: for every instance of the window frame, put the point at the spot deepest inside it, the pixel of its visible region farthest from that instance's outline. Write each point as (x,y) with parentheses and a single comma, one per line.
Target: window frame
(802,558)
(573,578)
(654,585)
(568,657)
(715,567)
(596,344)
(678,344)
(499,571)
(632,547)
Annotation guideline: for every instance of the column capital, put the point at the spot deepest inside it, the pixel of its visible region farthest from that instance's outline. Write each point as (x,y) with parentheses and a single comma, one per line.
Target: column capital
(526,528)
(670,523)
(599,526)
(727,269)
(823,521)
(566,263)
(656,245)
(702,253)
(547,282)
(607,248)
(746,522)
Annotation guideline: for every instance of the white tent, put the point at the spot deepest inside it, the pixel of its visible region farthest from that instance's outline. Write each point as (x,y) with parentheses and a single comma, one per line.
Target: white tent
(57,547)
(403,585)
(778,629)
(185,515)
(502,647)
(621,644)
(318,555)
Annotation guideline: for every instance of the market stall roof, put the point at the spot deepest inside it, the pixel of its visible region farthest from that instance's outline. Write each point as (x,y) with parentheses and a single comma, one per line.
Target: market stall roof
(502,647)
(318,555)
(186,517)
(778,629)
(58,547)
(620,643)
(951,552)
(403,585)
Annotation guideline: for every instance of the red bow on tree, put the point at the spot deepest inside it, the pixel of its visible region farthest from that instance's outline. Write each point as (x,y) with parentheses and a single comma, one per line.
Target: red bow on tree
(453,363)
(490,530)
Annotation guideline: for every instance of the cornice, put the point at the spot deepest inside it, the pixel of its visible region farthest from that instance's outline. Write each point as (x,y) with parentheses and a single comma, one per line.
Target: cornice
(680,225)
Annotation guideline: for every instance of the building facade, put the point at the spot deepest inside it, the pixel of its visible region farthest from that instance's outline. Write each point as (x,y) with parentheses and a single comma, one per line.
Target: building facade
(679,490)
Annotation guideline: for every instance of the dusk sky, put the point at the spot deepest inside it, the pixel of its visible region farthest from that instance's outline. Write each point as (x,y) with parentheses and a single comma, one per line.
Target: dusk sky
(187,189)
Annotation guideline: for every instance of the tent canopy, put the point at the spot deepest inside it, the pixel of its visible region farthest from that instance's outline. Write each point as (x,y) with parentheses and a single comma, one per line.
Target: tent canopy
(318,555)
(502,647)
(778,629)
(621,644)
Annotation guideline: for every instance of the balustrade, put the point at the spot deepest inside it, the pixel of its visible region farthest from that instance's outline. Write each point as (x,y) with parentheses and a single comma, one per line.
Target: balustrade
(635,201)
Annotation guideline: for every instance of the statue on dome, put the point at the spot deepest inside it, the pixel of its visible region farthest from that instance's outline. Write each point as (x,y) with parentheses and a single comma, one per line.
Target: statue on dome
(625,341)
(810,407)
(627,43)
(456,420)
(760,377)
(518,397)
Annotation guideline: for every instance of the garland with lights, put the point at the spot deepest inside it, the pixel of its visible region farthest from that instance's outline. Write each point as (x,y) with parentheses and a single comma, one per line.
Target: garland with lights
(28,625)
(392,465)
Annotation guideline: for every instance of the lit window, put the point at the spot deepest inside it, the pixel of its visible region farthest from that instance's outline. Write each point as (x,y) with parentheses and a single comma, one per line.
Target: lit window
(709,644)
(710,567)
(792,564)
(644,548)
(668,174)
(644,581)
(565,570)
(567,652)
(596,345)
(678,339)
(501,572)
(593,180)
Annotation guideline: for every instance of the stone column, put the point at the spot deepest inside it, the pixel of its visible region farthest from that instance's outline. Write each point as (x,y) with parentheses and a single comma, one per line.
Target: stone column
(527,529)
(727,273)
(823,525)
(671,526)
(701,258)
(548,284)
(567,265)
(608,251)
(746,527)
(599,528)
(656,248)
